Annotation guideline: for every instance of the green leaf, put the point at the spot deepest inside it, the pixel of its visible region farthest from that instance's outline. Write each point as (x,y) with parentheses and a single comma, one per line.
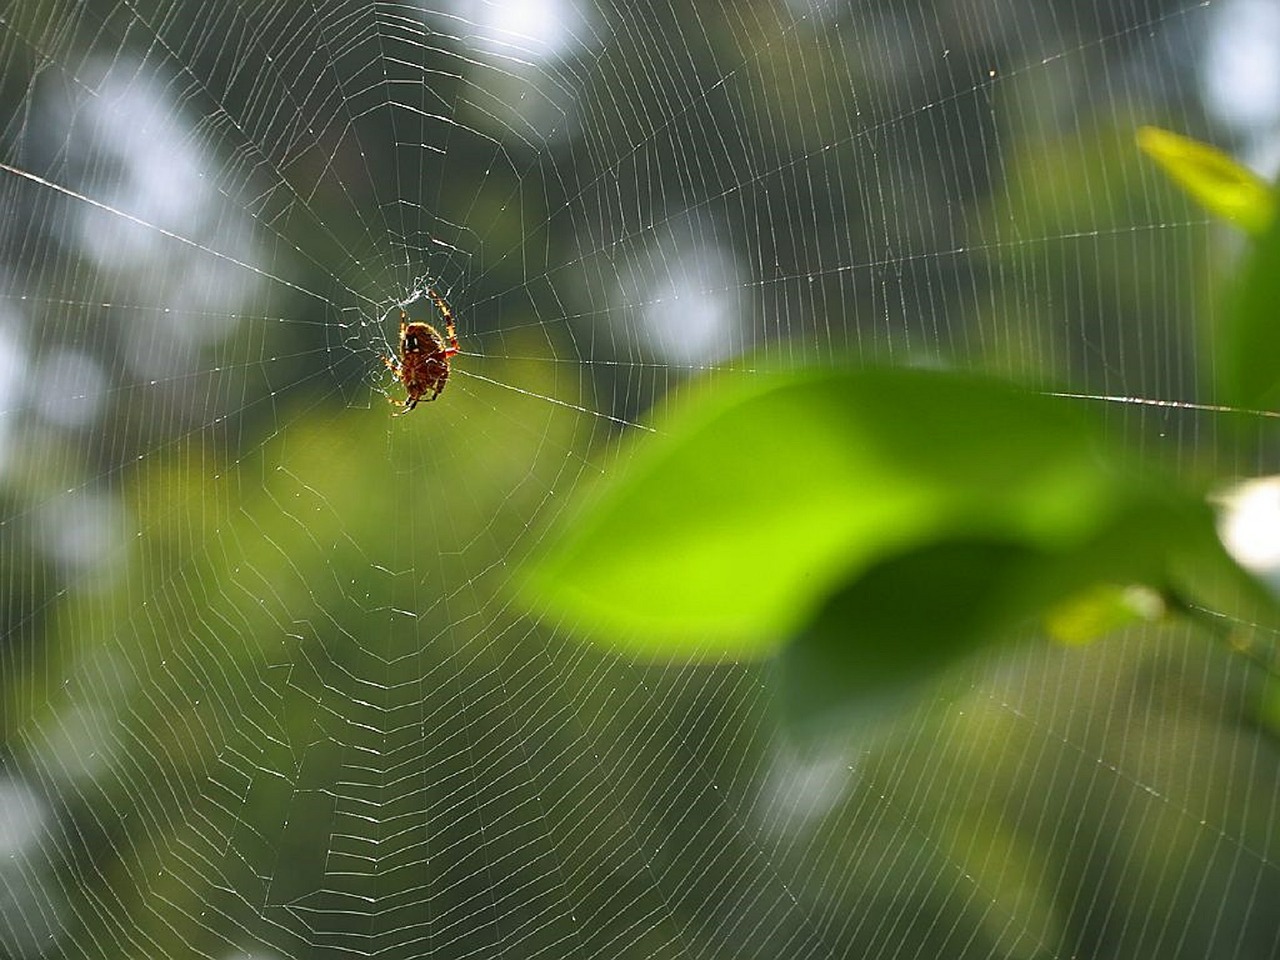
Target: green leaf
(874,643)
(1101,609)
(1249,341)
(891,629)
(772,492)
(1211,178)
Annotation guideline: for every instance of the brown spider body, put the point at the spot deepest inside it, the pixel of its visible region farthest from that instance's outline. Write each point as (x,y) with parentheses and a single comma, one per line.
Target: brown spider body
(423,365)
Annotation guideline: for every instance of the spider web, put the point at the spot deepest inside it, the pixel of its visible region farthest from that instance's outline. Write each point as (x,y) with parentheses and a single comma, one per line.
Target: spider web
(264,690)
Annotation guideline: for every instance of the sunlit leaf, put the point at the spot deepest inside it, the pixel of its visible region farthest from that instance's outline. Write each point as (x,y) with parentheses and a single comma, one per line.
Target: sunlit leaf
(773,492)
(1212,178)
(892,629)
(1102,609)
(873,643)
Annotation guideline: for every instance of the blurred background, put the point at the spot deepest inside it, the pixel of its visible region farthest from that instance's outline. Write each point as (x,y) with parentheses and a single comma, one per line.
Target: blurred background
(264,690)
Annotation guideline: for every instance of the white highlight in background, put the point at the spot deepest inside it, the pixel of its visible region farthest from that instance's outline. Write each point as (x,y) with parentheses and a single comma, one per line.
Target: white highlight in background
(31,921)
(692,313)
(1249,525)
(132,147)
(689,288)
(537,30)
(13,372)
(1241,67)
(72,387)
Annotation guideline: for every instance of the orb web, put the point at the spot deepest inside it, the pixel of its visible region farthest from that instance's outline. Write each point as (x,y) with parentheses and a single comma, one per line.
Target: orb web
(264,688)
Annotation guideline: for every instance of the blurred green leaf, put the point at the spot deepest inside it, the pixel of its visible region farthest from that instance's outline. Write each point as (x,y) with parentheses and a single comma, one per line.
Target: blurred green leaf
(892,628)
(1102,609)
(1249,342)
(872,643)
(1211,178)
(1268,709)
(770,493)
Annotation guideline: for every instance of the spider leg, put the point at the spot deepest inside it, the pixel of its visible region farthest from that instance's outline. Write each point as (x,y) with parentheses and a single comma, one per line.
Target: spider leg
(450,327)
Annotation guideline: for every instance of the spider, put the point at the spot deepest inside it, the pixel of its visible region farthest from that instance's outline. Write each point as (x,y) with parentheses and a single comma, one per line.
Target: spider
(423,366)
